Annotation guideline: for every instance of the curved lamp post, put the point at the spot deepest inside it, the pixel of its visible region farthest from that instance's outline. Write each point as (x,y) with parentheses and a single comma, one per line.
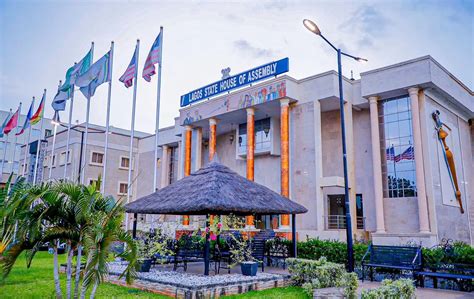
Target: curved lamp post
(311,26)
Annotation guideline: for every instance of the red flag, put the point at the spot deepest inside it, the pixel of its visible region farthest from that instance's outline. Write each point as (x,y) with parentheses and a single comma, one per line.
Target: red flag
(12,123)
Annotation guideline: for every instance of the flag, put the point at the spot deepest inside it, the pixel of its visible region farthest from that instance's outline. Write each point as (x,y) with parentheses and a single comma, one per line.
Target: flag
(39,113)
(5,123)
(390,153)
(76,70)
(127,77)
(408,154)
(152,59)
(97,74)
(59,101)
(12,123)
(26,124)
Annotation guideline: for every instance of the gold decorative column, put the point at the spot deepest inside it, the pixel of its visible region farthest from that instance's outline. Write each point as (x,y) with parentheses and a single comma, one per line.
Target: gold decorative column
(212,138)
(187,160)
(249,221)
(285,156)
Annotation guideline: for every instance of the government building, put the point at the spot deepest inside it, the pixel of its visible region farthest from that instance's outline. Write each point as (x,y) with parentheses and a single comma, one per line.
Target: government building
(406,183)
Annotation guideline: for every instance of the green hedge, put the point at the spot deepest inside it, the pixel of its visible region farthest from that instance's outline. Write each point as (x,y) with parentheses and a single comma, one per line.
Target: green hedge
(336,252)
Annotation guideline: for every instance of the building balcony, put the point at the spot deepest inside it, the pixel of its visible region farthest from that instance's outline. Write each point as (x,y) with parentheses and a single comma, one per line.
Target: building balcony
(338,222)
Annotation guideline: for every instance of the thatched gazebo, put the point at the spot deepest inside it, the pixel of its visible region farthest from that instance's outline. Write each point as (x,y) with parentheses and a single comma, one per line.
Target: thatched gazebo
(215,190)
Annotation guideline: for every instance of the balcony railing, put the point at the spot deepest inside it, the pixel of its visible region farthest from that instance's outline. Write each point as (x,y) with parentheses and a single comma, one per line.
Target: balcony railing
(339,222)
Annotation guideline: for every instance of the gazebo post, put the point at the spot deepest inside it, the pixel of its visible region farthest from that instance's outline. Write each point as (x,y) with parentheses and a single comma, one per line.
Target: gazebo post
(206,248)
(134,227)
(293,234)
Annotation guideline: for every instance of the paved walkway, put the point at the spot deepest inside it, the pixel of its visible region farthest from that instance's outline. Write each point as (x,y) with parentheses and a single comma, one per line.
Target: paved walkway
(425,293)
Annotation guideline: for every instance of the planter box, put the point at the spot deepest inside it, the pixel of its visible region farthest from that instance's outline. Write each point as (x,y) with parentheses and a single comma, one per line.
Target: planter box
(144,265)
(249,269)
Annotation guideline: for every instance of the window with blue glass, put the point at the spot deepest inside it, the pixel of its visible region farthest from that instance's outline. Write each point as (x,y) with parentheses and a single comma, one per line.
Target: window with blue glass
(398,158)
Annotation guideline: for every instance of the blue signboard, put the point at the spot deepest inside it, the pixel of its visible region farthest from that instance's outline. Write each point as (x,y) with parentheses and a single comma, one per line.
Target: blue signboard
(248,77)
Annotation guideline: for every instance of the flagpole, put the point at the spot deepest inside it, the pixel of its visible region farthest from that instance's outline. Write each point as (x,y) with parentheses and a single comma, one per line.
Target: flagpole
(71,106)
(56,124)
(27,143)
(38,146)
(6,147)
(84,154)
(16,138)
(157,121)
(132,133)
(107,121)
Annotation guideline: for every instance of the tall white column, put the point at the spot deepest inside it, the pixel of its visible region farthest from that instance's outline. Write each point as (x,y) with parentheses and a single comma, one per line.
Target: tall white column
(420,174)
(164,166)
(318,158)
(376,165)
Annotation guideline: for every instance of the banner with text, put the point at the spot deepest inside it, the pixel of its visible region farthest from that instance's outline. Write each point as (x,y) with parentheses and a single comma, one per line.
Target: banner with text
(248,77)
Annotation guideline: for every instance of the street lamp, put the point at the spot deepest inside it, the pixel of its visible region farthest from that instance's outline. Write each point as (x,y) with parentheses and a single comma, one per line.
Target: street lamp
(311,26)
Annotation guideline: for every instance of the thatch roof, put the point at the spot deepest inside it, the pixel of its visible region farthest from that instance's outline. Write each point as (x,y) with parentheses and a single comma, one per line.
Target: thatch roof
(214,189)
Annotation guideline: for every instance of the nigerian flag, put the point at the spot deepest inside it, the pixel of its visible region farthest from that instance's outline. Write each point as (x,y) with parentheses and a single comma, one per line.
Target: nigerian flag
(76,70)
(97,74)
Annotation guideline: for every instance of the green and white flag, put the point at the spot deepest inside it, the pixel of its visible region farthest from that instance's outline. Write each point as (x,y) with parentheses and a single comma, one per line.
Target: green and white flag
(97,74)
(76,70)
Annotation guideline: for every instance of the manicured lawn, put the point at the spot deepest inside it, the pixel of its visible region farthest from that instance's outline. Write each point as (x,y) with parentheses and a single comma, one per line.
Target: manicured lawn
(278,293)
(38,282)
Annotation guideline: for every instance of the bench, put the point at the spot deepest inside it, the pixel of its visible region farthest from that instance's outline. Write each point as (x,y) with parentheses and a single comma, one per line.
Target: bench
(443,264)
(391,257)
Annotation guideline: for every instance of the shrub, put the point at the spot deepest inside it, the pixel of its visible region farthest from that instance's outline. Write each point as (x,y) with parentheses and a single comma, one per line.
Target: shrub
(317,274)
(393,289)
(334,251)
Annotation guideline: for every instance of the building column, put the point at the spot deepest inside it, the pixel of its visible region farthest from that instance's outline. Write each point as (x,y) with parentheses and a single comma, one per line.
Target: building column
(212,138)
(285,156)
(318,158)
(164,166)
(420,174)
(187,161)
(376,165)
(249,221)
(212,146)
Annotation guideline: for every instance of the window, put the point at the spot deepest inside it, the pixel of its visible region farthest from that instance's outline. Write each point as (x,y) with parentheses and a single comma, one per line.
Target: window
(97,158)
(173,166)
(47,133)
(123,188)
(397,148)
(263,140)
(62,158)
(53,164)
(336,217)
(124,162)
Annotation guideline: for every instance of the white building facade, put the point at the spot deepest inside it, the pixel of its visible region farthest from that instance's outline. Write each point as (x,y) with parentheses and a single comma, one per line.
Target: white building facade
(401,188)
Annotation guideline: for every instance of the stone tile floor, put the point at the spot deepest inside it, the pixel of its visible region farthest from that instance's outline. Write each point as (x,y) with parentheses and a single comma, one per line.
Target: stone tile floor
(424,293)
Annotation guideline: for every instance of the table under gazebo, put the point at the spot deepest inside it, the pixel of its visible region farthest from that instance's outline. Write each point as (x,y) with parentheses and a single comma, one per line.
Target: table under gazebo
(215,190)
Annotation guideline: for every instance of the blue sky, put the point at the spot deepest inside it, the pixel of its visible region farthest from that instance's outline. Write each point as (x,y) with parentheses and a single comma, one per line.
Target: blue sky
(41,39)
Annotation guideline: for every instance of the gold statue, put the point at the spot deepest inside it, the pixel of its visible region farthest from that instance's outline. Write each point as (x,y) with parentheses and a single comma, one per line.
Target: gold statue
(448,155)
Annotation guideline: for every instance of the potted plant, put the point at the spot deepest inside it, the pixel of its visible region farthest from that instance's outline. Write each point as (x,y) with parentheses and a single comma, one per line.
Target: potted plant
(241,252)
(145,253)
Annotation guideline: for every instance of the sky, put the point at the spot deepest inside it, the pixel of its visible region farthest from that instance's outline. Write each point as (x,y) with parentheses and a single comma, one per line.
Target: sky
(40,40)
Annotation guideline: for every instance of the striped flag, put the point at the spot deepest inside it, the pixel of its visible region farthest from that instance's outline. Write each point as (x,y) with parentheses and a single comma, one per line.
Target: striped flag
(152,59)
(97,74)
(12,123)
(130,72)
(39,113)
(26,124)
(408,154)
(390,153)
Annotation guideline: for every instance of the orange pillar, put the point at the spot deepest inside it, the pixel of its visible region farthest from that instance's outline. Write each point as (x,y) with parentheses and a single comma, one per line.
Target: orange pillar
(212,146)
(249,221)
(285,157)
(212,138)
(187,160)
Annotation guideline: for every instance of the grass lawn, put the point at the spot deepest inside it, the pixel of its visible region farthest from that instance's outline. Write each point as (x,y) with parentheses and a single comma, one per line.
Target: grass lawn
(38,282)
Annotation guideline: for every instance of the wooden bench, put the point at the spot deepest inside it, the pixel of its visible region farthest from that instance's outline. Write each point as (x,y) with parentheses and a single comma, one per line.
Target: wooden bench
(391,257)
